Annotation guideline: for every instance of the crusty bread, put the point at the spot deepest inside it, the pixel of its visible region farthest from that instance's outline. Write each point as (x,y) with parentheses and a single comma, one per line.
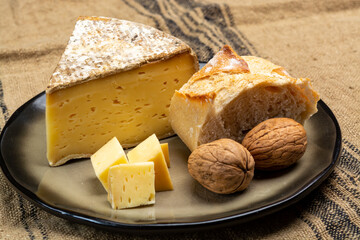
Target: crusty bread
(232,94)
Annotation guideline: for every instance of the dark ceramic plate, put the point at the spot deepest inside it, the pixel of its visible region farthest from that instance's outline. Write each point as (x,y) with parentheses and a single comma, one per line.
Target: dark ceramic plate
(73,192)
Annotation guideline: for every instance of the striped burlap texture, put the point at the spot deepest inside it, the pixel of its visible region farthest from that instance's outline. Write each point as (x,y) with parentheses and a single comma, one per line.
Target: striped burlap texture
(319,40)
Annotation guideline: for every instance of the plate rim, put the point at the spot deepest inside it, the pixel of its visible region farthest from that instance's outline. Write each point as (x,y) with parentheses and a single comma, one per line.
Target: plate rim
(172,226)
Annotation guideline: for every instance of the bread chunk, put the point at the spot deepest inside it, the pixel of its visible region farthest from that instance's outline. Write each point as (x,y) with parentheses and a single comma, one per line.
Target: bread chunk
(231,94)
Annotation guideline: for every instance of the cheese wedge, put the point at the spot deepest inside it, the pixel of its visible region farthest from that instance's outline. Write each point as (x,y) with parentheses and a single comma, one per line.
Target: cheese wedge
(165,150)
(131,185)
(115,78)
(108,155)
(150,151)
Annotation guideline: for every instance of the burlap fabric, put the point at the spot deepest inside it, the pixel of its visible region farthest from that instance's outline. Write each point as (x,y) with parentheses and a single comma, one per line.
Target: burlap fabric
(315,39)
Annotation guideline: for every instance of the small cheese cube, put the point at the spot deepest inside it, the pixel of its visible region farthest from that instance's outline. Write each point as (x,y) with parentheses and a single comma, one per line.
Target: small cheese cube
(108,155)
(131,185)
(150,151)
(165,150)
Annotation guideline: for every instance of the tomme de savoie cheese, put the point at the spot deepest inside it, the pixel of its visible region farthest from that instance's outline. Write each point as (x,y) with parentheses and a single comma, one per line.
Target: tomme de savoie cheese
(107,156)
(131,185)
(165,150)
(112,154)
(150,151)
(115,78)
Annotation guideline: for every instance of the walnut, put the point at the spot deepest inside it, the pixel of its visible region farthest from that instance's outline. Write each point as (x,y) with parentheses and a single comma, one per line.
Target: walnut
(276,143)
(222,166)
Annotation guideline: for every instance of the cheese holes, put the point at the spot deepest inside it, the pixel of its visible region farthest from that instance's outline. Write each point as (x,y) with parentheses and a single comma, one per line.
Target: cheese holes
(71,117)
(115,101)
(151,197)
(63,147)
(93,109)
(176,80)
(162,116)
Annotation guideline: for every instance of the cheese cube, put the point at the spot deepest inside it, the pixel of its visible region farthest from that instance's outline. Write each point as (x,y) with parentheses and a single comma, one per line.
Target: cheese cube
(108,155)
(131,185)
(150,151)
(165,150)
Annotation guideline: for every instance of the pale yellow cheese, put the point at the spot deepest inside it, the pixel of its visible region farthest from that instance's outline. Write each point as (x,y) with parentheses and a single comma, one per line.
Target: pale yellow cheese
(165,150)
(150,151)
(108,155)
(130,105)
(131,185)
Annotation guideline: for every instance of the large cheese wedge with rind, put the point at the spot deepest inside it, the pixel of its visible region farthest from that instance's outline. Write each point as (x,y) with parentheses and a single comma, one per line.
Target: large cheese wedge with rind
(115,78)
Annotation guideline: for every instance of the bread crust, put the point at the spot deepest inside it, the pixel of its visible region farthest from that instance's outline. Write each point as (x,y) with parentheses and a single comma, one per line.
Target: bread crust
(226,100)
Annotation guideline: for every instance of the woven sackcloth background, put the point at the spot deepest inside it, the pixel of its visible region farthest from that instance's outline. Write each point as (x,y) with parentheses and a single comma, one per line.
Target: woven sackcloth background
(315,39)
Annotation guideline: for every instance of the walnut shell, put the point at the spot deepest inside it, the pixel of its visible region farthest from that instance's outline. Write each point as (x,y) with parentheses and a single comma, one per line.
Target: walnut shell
(276,143)
(222,166)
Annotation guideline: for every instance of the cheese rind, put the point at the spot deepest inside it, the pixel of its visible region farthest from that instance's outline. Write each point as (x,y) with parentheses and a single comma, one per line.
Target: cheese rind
(150,151)
(131,185)
(103,46)
(108,155)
